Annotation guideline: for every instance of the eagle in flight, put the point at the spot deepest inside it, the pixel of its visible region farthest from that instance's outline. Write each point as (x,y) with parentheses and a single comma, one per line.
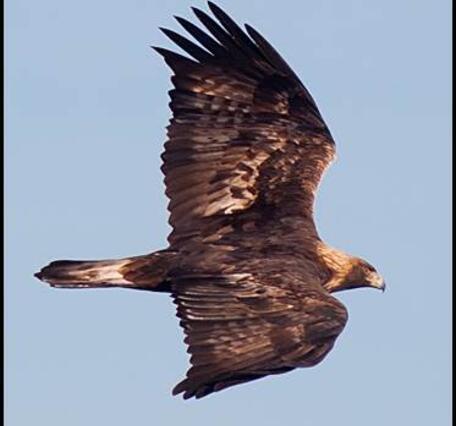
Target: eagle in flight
(251,278)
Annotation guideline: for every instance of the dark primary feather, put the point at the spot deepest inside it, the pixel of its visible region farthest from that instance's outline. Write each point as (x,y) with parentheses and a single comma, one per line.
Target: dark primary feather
(190,47)
(206,41)
(245,153)
(236,32)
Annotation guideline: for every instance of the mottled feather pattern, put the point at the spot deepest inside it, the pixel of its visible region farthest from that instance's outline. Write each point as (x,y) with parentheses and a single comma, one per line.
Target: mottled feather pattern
(234,106)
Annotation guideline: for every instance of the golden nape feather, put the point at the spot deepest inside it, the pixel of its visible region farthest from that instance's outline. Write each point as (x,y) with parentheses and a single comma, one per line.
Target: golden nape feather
(246,150)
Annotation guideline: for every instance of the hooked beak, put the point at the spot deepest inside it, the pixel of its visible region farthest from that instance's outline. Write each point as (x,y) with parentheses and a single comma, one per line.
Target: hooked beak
(377,281)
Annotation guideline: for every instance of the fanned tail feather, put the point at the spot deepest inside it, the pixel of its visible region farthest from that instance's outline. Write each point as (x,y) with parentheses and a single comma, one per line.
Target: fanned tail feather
(147,272)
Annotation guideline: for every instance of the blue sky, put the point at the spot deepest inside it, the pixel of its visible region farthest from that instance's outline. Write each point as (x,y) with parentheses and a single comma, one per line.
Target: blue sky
(86,110)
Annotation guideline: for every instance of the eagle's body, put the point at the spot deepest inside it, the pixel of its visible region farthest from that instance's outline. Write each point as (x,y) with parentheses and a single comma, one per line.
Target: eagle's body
(251,278)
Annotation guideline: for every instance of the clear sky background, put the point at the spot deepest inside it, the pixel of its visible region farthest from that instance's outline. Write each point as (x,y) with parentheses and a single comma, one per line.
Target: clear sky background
(86,103)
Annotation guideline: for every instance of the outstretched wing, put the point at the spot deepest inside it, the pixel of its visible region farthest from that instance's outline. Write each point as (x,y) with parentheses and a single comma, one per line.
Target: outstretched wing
(244,128)
(240,329)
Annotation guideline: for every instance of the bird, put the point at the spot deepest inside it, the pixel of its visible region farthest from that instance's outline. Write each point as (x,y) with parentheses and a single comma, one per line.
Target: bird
(246,150)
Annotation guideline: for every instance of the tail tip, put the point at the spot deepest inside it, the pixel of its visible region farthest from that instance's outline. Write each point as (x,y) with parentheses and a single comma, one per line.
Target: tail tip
(39,275)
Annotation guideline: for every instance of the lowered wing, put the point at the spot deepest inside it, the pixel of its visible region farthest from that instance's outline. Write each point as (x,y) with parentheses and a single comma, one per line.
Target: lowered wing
(242,327)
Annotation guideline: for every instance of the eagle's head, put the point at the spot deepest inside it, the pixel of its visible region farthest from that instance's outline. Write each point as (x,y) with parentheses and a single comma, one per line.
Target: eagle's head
(348,271)
(361,274)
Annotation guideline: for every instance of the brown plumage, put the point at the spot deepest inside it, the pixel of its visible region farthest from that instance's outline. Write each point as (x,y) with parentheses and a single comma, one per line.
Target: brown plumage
(251,278)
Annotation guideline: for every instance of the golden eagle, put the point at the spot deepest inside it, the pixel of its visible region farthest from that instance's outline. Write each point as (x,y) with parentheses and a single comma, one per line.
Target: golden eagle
(245,153)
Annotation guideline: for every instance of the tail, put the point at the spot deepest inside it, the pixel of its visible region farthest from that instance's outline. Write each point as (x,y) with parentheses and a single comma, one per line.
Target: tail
(147,272)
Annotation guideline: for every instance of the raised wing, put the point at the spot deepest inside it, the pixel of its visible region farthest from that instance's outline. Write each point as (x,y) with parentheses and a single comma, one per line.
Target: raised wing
(244,128)
(240,329)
